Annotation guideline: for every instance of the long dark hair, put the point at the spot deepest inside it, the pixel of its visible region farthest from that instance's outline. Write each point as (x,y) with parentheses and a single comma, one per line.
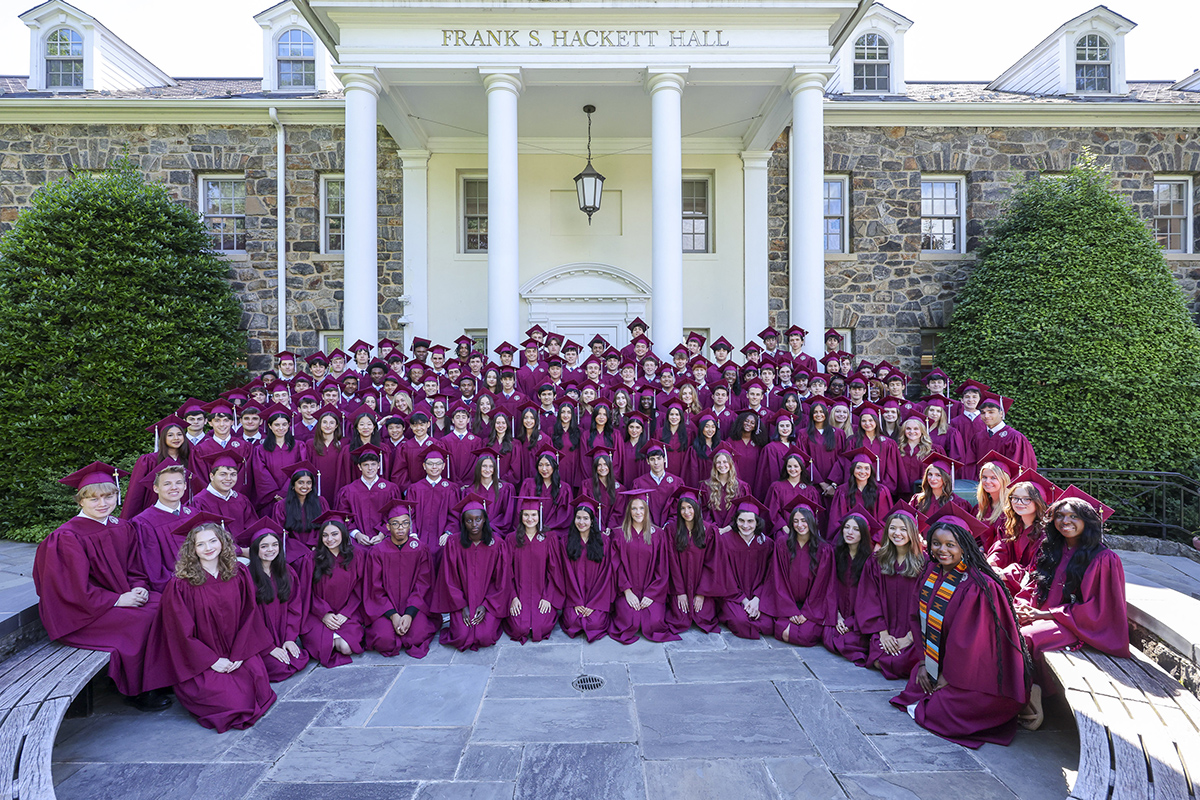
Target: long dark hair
(850,570)
(185,447)
(356,437)
(519,433)
(573,433)
(815,542)
(870,492)
(736,432)
(681,532)
(595,544)
(278,583)
(477,473)
(783,476)
(679,438)
(268,442)
(555,478)
(1051,551)
(464,538)
(299,517)
(323,559)
(607,495)
(699,447)
(492,440)
(608,427)
(828,435)
(318,441)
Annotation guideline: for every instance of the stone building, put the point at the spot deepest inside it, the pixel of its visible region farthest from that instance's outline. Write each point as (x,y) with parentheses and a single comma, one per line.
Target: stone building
(767,164)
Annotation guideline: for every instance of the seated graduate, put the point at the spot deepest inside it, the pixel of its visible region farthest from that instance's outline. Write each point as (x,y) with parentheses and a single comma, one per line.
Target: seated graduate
(860,489)
(158,546)
(210,636)
(792,485)
(851,552)
(1014,553)
(473,583)
(298,510)
(799,578)
(740,574)
(588,574)
(1080,591)
(937,486)
(92,590)
(498,494)
(536,566)
(333,628)
(691,548)
(398,591)
(281,588)
(973,679)
(887,596)
(643,564)
(365,500)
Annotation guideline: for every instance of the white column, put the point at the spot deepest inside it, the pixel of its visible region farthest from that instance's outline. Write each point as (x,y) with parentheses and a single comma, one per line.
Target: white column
(666,200)
(806,246)
(415,166)
(504,281)
(755,235)
(360,306)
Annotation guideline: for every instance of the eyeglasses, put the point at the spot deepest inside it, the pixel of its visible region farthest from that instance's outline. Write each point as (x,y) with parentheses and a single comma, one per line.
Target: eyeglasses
(1020,500)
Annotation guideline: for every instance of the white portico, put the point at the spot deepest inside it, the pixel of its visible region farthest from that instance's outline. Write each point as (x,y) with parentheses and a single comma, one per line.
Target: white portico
(484,102)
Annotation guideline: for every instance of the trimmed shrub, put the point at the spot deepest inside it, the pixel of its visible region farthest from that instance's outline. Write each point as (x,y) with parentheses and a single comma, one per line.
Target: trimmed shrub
(113,310)
(1073,312)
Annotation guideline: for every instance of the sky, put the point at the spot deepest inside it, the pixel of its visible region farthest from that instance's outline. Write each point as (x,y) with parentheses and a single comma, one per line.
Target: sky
(949,40)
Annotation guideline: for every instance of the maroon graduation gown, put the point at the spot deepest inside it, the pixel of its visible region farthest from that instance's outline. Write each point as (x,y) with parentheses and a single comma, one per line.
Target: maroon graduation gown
(461,468)
(591,585)
(971,708)
(797,589)
(522,455)
(283,621)
(368,505)
(570,465)
(911,470)
(890,603)
(79,571)
(307,538)
(1008,442)
(770,467)
(659,493)
(687,568)
(413,453)
(747,461)
(840,507)
(197,626)
(209,445)
(335,468)
(469,578)
(159,549)
(399,581)
(740,571)
(498,503)
(556,515)
(888,460)
(1015,561)
(338,593)
(724,516)
(139,497)
(431,516)
(646,570)
(535,567)
(237,512)
(780,495)
(270,481)
(824,464)
(1098,619)
(842,598)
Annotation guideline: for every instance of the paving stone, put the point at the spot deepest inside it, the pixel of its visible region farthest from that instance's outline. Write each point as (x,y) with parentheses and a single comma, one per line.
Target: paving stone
(712,720)
(350,682)
(651,672)
(610,650)
(274,733)
(696,639)
(436,655)
(133,736)
(484,657)
(345,714)
(733,642)
(737,665)
(838,673)
(490,762)
(372,754)
(804,779)
(538,661)
(434,695)
(838,739)
(1035,765)
(466,790)
(919,785)
(156,781)
(60,772)
(284,689)
(555,720)
(616,683)
(872,712)
(274,790)
(924,752)
(580,772)
(708,779)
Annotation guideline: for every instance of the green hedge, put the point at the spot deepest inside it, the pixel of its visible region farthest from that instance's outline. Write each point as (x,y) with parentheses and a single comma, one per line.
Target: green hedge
(113,310)
(1073,312)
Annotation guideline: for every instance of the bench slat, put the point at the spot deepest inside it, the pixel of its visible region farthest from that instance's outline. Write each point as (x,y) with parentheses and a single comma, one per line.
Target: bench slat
(1174,693)
(1189,753)
(91,665)
(56,682)
(1089,674)
(34,777)
(16,692)
(1158,734)
(18,664)
(1093,776)
(12,733)
(1124,686)
(1132,779)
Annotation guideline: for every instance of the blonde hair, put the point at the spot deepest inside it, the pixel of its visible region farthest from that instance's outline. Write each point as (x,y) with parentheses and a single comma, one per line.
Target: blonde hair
(1012,520)
(693,407)
(174,469)
(887,554)
(627,521)
(94,490)
(987,512)
(943,425)
(924,444)
(188,565)
(846,427)
(719,497)
(924,499)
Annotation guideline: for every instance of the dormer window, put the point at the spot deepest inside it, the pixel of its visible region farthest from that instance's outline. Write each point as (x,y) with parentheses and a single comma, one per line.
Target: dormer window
(872,64)
(1093,64)
(297,61)
(64,60)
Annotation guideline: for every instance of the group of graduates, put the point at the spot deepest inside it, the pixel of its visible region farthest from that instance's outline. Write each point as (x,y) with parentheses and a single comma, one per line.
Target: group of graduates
(374,502)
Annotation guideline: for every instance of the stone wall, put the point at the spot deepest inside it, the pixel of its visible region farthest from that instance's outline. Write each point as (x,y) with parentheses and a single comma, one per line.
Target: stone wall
(31,155)
(885,289)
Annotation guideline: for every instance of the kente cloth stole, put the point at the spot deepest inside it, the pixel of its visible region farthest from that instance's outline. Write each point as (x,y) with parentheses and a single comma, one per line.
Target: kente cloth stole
(933,614)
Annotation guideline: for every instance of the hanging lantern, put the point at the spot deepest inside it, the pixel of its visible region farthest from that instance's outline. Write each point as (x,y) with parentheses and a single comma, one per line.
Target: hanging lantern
(589,184)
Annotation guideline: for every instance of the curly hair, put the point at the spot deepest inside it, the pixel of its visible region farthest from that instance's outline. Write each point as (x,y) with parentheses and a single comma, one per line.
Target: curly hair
(188,565)
(1050,554)
(1012,520)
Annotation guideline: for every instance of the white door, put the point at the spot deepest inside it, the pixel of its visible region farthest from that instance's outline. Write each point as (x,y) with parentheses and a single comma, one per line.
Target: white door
(581,300)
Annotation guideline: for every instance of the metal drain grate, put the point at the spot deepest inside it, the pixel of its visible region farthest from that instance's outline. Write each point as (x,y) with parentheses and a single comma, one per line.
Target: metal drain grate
(588,683)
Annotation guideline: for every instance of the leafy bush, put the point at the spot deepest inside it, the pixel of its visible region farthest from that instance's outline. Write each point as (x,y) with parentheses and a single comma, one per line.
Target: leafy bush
(1073,312)
(113,310)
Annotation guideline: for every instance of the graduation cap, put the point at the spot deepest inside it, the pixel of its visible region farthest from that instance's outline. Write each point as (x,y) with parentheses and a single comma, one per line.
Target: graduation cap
(751,347)
(547,449)
(866,365)
(277,410)
(570,345)
(585,500)
(828,357)
(1075,493)
(653,446)
(943,462)
(164,423)
(307,397)
(334,516)
(598,339)
(897,375)
(972,386)
(868,407)
(951,514)
(399,509)
(874,530)
(1050,492)
(1010,467)
(536,329)
(638,322)
(914,413)
(229,457)
(863,455)
(798,502)
(796,330)
(722,344)
(531,344)
(260,527)
(317,358)
(833,334)
(903,507)
(93,473)
(699,361)
(472,501)
(856,378)
(367,452)
(286,355)
(328,409)
(525,503)
(935,374)
(819,378)
(991,398)
(438,349)
(749,504)
(387,343)
(554,337)
(600,450)
(754,383)
(301,467)
(768,333)
(360,345)
(188,522)
(686,493)
(419,341)
(339,353)
(189,407)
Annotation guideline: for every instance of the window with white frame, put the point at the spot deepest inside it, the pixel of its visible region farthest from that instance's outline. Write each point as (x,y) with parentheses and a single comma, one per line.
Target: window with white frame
(64,60)
(223,206)
(297,61)
(697,216)
(474,215)
(1093,64)
(333,214)
(1173,214)
(942,214)
(872,64)
(836,207)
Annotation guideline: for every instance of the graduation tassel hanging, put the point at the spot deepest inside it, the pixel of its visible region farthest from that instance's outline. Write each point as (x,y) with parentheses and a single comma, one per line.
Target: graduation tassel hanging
(540,524)
(318,483)
(117,481)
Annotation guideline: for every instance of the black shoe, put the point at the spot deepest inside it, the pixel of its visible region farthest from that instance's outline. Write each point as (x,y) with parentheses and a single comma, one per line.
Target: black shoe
(157,700)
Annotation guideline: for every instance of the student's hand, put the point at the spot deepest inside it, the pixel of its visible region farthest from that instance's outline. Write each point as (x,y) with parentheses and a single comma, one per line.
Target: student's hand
(129,599)
(798,619)
(698,603)
(924,681)
(443,538)
(583,611)
(753,611)
(514,608)
(632,599)
(292,649)
(362,538)
(645,603)
(332,621)
(682,602)
(401,623)
(544,607)
(222,665)
(904,643)
(841,624)
(479,614)
(281,655)
(376,539)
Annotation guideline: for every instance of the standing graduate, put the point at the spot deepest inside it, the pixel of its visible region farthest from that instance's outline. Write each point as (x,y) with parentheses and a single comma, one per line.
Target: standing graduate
(692,545)
(92,591)
(433,498)
(657,485)
(843,633)
(643,574)
(170,445)
(973,679)
(398,590)
(278,451)
(722,488)
(887,597)
(333,628)
(588,574)
(741,572)
(547,483)
(330,455)
(937,486)
(999,436)
(281,589)
(209,635)
(800,578)
(473,583)
(497,494)
(220,499)
(793,484)
(158,544)
(536,569)
(824,444)
(366,499)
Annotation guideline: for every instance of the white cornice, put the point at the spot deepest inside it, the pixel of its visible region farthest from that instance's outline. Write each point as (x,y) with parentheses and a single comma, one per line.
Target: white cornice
(1019,115)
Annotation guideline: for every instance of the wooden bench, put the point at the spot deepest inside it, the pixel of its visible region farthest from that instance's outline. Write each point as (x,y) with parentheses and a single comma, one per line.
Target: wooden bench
(1139,729)
(37,685)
